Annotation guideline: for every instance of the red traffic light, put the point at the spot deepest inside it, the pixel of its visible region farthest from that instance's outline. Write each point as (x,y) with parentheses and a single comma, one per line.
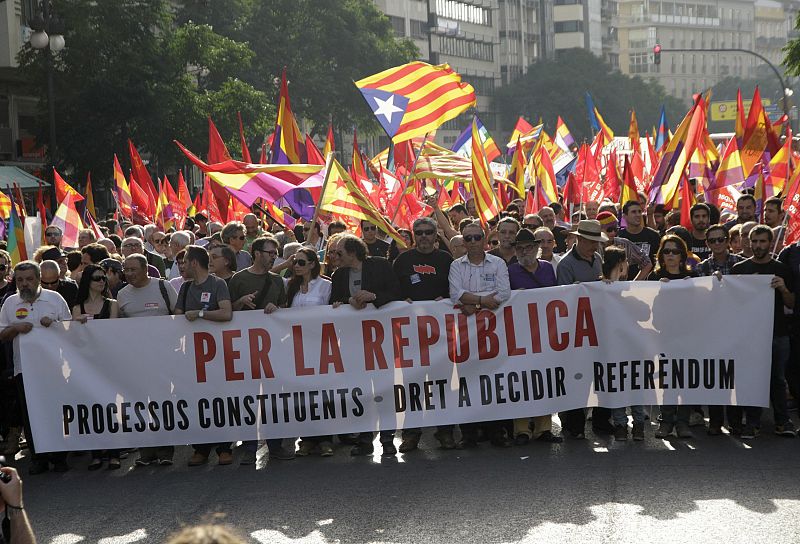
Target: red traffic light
(657,48)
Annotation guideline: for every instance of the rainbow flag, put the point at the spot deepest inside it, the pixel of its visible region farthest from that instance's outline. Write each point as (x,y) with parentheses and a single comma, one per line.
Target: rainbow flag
(15,243)
(287,141)
(463,145)
(415,98)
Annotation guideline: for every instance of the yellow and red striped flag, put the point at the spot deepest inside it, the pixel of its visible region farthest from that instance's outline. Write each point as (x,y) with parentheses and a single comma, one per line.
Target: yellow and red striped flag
(124,198)
(342,197)
(69,221)
(415,98)
(482,182)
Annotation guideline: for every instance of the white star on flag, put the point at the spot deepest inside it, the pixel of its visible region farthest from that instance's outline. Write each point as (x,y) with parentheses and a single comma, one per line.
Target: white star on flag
(386,108)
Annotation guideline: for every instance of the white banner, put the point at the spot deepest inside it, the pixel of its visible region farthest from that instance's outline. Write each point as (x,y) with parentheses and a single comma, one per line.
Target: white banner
(314,371)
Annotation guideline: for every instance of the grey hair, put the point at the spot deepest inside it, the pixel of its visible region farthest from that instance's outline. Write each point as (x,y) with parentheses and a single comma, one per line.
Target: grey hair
(290,249)
(52,266)
(31,265)
(181,238)
(425,221)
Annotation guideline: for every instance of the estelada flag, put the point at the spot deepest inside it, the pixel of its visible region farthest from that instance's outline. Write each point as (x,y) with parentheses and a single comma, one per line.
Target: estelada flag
(415,98)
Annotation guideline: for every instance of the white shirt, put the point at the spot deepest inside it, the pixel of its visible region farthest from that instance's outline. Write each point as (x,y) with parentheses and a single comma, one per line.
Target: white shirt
(555,260)
(490,276)
(177,282)
(47,304)
(319,293)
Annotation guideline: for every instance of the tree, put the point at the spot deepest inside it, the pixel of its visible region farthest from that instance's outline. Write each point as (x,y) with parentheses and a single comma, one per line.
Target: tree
(325,45)
(129,72)
(557,87)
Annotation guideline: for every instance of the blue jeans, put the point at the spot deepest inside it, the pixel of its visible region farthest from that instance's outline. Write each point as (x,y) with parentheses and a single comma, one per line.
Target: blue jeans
(619,417)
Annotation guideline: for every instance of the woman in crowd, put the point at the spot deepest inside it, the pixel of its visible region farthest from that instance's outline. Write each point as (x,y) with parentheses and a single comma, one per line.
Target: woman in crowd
(672,264)
(331,255)
(94,302)
(307,288)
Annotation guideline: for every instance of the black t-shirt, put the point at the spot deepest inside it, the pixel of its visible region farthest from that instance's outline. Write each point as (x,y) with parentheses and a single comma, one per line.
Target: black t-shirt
(560,237)
(423,276)
(68,290)
(378,248)
(700,249)
(661,273)
(647,240)
(772,268)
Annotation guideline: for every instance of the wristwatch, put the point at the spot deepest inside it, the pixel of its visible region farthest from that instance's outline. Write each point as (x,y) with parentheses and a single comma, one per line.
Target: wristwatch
(201,313)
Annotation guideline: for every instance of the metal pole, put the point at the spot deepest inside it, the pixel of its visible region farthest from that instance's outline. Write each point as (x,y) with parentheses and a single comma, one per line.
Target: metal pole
(48,60)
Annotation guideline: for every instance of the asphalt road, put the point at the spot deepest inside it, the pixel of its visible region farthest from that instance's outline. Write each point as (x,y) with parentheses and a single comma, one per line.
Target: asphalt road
(709,489)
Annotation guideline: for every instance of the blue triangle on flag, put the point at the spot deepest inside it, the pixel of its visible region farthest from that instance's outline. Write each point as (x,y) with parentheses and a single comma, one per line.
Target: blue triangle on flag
(389,108)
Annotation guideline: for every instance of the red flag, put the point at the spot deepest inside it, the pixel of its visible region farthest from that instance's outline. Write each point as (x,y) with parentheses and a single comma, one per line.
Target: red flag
(19,201)
(183,193)
(628,191)
(572,191)
(140,201)
(313,156)
(243,140)
(404,157)
(587,176)
(142,176)
(612,184)
(40,207)
(263,158)
(217,151)
(62,188)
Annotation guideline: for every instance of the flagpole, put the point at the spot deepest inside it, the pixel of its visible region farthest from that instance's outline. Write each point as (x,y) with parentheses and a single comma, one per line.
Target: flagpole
(409,176)
(328,164)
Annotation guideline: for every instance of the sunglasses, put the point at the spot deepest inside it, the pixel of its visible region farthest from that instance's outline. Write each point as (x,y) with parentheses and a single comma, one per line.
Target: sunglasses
(50,234)
(370,227)
(716,240)
(49,282)
(668,251)
(494,242)
(301,262)
(611,229)
(99,278)
(474,238)
(424,232)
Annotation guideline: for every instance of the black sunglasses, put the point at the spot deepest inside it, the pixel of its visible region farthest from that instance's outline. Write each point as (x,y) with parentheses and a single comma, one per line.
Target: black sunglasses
(369,227)
(301,262)
(424,232)
(473,237)
(716,240)
(668,251)
(99,278)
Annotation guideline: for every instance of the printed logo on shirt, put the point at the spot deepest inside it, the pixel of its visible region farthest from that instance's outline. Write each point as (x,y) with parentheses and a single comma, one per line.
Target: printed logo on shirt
(22,312)
(488,278)
(205,297)
(415,279)
(151,305)
(424,269)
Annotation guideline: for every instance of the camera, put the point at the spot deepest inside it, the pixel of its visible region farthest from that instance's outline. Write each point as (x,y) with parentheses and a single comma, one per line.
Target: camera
(5,478)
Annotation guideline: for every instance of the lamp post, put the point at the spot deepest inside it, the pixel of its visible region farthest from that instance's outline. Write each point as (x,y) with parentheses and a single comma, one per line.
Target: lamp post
(48,37)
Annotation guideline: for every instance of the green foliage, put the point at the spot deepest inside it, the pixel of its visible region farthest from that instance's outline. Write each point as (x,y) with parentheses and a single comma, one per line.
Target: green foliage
(553,88)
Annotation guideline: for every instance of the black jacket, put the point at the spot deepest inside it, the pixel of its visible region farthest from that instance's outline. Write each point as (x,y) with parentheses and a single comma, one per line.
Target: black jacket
(377,277)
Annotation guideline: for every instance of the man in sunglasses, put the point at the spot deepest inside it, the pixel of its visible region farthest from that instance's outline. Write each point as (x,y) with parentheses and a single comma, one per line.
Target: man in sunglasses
(53,235)
(634,255)
(423,275)
(478,281)
(719,264)
(51,279)
(375,246)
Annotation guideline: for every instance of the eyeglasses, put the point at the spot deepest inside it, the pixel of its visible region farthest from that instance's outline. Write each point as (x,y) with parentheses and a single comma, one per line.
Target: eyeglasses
(51,234)
(424,232)
(49,282)
(99,278)
(670,251)
(474,237)
(611,229)
(494,242)
(715,240)
(301,262)
(369,227)
(527,247)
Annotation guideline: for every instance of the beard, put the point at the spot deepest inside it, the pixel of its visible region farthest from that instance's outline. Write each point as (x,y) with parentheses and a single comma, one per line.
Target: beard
(760,253)
(29,295)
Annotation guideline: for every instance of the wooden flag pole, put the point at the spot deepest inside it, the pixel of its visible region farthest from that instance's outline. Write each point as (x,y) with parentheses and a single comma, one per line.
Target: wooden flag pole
(328,164)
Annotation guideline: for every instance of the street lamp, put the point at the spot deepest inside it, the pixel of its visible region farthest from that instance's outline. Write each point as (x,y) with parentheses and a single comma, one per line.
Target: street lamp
(48,36)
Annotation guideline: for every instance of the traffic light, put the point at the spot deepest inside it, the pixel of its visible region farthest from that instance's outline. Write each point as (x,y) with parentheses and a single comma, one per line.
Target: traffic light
(657,54)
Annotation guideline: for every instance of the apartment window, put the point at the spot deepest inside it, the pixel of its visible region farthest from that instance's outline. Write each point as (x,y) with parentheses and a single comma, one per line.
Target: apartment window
(464,48)
(483,86)
(462,11)
(398,25)
(568,26)
(567,2)
(419,29)
(640,63)
(29,10)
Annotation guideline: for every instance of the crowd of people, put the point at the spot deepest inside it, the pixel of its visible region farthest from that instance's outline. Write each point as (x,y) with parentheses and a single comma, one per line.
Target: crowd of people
(208,270)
